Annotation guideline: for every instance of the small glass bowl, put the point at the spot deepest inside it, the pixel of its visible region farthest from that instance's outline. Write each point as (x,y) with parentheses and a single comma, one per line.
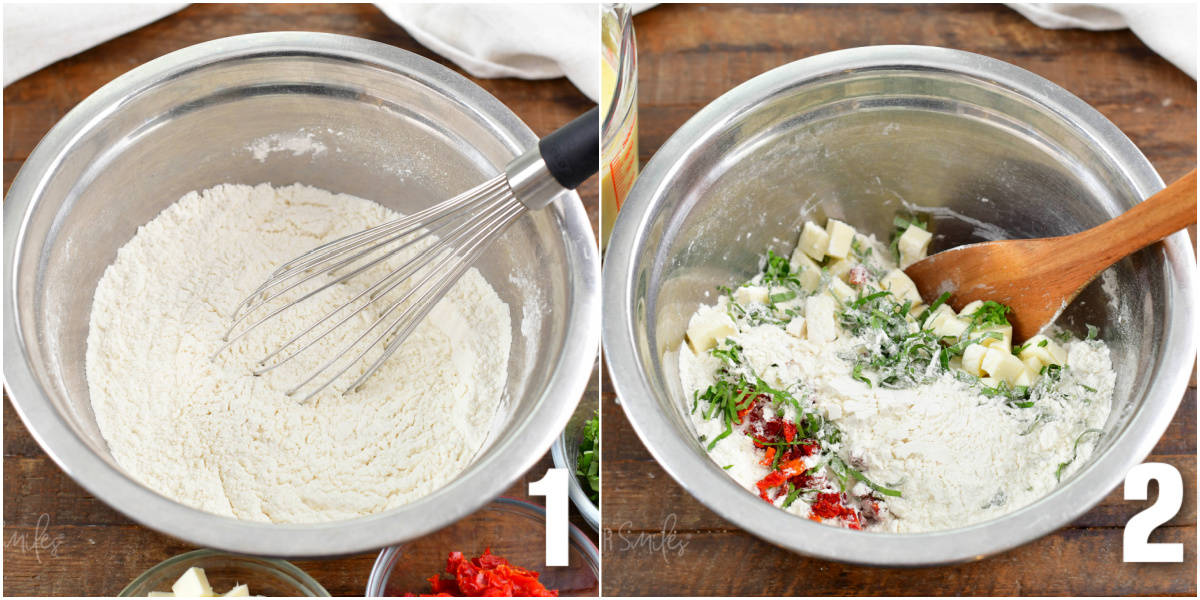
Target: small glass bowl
(513,529)
(265,576)
(565,453)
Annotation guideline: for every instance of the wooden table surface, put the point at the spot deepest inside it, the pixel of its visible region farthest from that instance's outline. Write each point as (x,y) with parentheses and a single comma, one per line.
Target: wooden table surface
(58,539)
(660,540)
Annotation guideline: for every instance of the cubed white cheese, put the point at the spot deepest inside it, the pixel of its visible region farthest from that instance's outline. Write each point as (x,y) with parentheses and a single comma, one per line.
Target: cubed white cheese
(941,313)
(1033,363)
(903,288)
(1004,342)
(840,267)
(970,309)
(952,328)
(1025,378)
(193,583)
(808,271)
(840,237)
(841,290)
(972,359)
(1045,350)
(814,241)
(819,318)
(945,323)
(795,327)
(751,294)
(913,245)
(956,364)
(1002,365)
(707,328)
(239,590)
(989,381)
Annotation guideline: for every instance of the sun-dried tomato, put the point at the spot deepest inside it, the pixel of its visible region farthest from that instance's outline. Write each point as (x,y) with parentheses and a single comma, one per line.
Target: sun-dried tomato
(486,575)
(830,506)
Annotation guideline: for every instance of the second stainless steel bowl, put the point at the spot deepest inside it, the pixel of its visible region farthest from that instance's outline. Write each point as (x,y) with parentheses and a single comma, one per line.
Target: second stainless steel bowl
(986,150)
(382,124)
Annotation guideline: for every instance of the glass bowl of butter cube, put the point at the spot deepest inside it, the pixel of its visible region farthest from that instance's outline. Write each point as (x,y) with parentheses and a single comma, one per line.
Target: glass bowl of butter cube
(209,573)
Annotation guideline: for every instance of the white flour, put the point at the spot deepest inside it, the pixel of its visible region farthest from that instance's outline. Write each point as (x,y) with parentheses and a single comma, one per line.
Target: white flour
(211,435)
(957,456)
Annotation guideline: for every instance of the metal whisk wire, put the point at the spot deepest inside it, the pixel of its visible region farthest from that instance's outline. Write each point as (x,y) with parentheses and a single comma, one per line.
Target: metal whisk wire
(445,240)
(464,225)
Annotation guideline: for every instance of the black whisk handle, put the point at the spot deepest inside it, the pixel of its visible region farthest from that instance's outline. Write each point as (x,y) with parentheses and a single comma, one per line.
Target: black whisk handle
(572,153)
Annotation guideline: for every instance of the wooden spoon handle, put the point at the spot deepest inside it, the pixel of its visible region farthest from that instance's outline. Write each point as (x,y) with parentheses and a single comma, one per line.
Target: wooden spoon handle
(1160,215)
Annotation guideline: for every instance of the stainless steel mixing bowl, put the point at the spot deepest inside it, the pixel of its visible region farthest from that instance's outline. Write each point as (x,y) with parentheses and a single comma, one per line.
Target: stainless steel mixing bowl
(397,129)
(985,149)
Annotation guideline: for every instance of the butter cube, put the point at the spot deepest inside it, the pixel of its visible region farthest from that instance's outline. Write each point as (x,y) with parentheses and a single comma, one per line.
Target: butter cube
(972,359)
(751,294)
(1002,365)
(814,241)
(903,288)
(840,236)
(708,328)
(808,271)
(841,290)
(913,245)
(795,327)
(239,590)
(989,381)
(1045,350)
(819,317)
(193,583)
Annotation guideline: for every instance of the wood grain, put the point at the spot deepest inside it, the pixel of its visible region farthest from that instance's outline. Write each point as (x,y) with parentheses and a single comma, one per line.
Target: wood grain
(657,538)
(59,540)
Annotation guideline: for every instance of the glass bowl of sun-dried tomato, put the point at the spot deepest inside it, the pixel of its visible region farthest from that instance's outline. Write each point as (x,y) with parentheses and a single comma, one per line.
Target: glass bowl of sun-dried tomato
(505,540)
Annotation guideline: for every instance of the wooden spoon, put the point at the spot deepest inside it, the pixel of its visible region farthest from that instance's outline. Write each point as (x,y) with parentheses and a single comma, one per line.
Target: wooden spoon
(1037,278)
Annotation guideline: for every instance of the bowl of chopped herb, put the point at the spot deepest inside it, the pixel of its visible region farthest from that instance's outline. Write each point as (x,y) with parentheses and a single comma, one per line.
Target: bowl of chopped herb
(774,203)
(578,451)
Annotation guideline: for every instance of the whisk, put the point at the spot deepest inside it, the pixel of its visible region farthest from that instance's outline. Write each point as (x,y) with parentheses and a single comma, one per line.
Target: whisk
(446,238)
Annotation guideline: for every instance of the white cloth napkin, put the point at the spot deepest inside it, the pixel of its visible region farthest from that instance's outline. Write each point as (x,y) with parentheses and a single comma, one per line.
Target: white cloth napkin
(36,35)
(1168,29)
(541,41)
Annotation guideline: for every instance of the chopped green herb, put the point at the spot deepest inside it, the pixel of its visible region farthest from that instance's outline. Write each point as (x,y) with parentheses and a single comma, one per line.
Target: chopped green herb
(858,374)
(848,471)
(783,296)
(1074,453)
(1093,332)
(990,313)
(778,271)
(587,464)
(730,352)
